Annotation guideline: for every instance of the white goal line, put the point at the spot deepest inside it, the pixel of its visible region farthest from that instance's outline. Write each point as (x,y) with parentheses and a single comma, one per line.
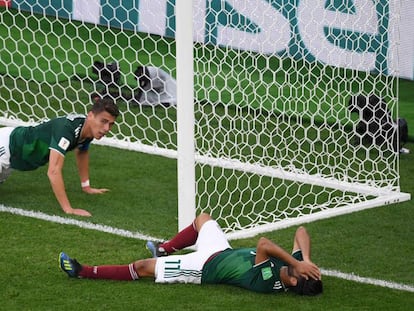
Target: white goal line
(141,236)
(359,279)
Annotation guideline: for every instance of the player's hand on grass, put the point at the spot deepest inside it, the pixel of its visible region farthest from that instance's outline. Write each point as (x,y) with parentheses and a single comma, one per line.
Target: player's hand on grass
(78,212)
(91,190)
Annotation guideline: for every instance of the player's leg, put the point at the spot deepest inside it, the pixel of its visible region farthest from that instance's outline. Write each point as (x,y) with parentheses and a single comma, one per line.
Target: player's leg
(211,238)
(188,268)
(302,242)
(185,238)
(139,269)
(201,220)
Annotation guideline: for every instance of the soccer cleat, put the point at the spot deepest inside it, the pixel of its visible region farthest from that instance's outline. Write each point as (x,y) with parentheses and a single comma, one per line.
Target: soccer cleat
(71,266)
(155,249)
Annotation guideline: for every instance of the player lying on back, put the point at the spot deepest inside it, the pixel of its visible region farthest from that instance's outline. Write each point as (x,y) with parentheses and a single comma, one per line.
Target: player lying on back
(267,268)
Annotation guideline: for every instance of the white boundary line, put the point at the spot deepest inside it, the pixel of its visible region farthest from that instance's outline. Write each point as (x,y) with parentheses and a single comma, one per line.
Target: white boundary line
(360,279)
(140,236)
(74,222)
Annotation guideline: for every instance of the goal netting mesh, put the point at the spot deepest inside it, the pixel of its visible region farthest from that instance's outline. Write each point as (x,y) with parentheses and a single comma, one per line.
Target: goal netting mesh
(278,139)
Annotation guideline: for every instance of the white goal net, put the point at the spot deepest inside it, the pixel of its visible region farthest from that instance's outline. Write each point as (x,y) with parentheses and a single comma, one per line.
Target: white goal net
(279,112)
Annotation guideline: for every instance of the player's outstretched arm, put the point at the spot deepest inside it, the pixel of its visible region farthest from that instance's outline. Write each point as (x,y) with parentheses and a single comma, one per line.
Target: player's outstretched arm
(82,161)
(54,173)
(266,249)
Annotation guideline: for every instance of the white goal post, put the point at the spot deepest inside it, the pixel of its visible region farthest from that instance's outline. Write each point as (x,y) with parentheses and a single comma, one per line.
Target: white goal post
(266,130)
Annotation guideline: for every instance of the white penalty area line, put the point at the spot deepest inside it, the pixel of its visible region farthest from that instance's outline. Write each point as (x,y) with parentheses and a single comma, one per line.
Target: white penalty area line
(78,223)
(140,236)
(364,280)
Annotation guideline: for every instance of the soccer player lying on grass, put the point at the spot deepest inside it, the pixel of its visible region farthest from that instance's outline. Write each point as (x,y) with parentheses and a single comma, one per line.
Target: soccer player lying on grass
(267,268)
(26,148)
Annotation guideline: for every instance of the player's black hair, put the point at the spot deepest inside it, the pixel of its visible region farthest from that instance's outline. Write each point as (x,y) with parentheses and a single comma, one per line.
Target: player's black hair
(104,104)
(306,287)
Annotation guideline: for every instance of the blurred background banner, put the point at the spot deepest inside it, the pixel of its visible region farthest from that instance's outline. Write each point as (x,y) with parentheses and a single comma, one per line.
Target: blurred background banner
(244,24)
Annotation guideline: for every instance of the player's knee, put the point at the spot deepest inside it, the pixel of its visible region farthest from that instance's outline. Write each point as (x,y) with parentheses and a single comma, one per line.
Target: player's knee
(301,229)
(204,216)
(301,233)
(201,220)
(145,267)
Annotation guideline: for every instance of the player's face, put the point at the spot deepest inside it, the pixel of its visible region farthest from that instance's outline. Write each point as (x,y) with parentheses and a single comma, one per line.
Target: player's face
(293,274)
(100,124)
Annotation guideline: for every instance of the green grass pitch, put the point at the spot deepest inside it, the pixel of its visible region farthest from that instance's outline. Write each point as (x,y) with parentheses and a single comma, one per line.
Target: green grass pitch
(375,243)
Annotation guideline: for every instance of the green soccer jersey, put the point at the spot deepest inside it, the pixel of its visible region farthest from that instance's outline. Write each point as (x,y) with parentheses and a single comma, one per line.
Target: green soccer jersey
(30,146)
(237,267)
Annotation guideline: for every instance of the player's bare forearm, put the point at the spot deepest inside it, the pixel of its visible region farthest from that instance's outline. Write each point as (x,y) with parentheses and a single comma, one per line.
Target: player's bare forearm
(303,242)
(266,249)
(62,198)
(54,173)
(56,182)
(82,161)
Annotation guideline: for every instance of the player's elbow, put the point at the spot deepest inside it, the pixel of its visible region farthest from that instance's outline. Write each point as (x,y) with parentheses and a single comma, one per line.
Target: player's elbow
(53,173)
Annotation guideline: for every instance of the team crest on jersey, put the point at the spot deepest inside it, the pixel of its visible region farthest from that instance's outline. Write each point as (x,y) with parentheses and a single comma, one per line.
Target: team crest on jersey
(63,143)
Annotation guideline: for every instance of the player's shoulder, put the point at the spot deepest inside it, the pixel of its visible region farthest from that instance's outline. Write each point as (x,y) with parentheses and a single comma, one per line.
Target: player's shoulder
(72,121)
(69,125)
(75,116)
(68,119)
